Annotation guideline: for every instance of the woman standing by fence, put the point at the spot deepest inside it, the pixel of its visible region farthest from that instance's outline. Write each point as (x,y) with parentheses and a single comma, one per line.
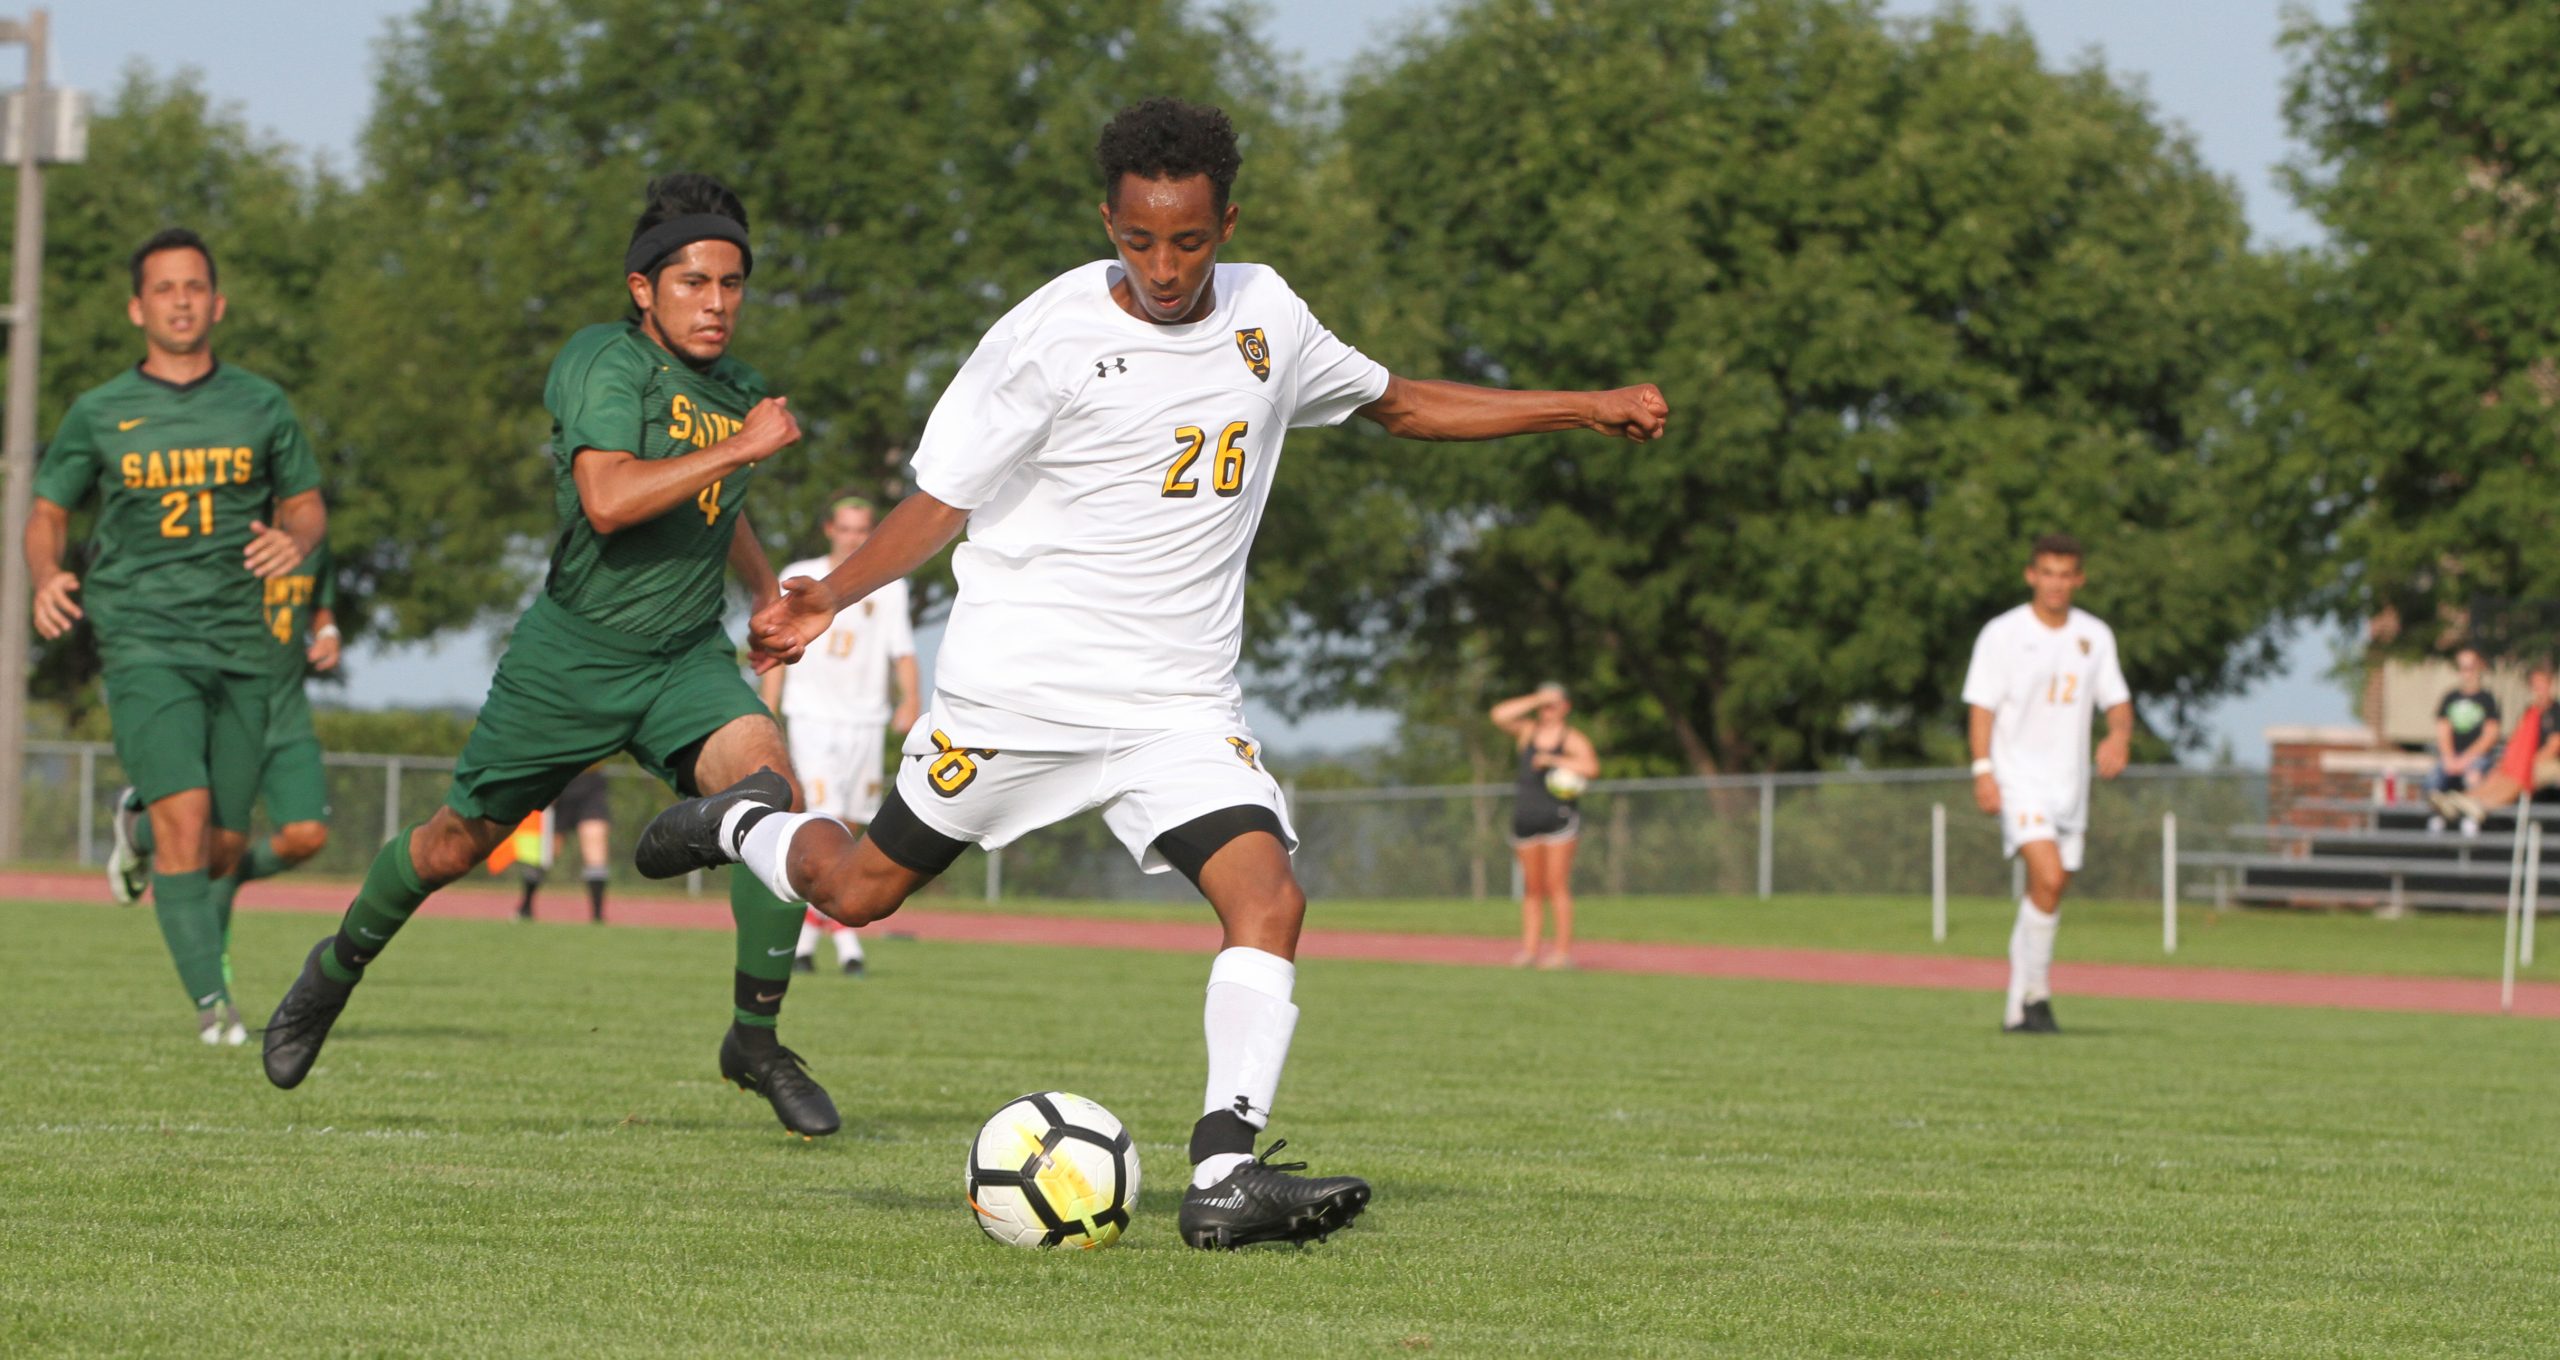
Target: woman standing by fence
(1555,762)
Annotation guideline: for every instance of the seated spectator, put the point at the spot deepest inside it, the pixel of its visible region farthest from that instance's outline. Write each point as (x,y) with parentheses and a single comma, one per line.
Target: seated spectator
(2531,760)
(2466,735)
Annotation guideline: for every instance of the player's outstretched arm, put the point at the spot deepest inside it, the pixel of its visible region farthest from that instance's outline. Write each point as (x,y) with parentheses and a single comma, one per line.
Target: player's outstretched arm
(618,489)
(1422,409)
(48,527)
(919,527)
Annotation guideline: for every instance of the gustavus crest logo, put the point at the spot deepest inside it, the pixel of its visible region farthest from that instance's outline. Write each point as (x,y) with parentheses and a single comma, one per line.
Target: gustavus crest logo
(2084,646)
(1244,751)
(1256,351)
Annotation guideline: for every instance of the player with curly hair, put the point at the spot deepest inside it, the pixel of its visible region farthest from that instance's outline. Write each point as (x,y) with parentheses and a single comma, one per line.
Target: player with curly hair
(1109,447)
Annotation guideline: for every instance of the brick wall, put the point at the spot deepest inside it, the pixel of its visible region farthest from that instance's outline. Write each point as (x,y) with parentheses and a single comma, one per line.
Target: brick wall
(2294,773)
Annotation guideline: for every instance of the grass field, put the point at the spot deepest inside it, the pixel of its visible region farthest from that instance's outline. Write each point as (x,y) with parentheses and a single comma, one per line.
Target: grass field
(516,1144)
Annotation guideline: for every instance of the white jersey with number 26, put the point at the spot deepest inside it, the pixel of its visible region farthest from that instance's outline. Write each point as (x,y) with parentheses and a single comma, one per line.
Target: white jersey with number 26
(2043,686)
(1115,472)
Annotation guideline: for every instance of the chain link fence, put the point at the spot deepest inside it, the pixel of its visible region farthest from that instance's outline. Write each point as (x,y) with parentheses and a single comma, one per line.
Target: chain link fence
(1842,833)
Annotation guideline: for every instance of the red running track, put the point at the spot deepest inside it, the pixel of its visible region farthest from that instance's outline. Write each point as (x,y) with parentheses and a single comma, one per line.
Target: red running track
(2143,981)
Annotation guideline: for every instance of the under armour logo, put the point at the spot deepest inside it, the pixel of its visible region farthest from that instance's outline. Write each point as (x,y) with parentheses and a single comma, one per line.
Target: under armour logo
(1104,368)
(1244,1107)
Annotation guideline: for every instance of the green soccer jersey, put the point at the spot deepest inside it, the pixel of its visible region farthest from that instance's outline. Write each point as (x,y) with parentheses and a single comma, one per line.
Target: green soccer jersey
(291,601)
(179,473)
(613,388)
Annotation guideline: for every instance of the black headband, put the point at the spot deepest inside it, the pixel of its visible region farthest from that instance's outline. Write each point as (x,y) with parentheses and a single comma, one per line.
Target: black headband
(651,248)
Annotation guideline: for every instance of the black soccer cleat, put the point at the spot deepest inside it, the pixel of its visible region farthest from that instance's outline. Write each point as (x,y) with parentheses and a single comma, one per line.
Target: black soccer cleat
(803,963)
(302,1020)
(2036,1018)
(854,968)
(1261,1202)
(686,837)
(781,1077)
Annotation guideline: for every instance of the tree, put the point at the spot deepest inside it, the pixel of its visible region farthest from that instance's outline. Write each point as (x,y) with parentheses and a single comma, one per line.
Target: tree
(911,172)
(2433,165)
(1914,299)
(160,155)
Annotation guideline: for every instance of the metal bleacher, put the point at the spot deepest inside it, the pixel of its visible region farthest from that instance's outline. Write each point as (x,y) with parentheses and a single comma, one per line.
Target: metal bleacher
(2390,860)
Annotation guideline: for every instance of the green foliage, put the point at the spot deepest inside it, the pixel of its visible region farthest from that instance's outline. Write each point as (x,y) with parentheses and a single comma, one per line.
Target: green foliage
(910,173)
(2435,165)
(1913,298)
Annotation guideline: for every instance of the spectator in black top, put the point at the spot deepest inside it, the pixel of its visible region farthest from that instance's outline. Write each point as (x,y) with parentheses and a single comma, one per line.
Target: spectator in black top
(2466,734)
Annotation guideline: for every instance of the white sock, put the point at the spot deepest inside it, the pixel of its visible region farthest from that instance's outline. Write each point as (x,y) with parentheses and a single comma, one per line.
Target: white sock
(848,945)
(808,940)
(1249,1021)
(2030,957)
(768,846)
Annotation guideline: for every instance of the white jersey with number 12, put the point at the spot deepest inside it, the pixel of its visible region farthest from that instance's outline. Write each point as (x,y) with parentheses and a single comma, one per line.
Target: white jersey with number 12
(2043,687)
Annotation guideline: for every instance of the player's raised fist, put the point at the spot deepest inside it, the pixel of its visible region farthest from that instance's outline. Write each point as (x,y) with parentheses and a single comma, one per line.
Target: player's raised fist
(1636,413)
(770,427)
(55,610)
(782,630)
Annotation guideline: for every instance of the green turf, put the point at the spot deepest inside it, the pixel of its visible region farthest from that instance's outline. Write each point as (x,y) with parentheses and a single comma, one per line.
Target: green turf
(515,1145)
(2451,945)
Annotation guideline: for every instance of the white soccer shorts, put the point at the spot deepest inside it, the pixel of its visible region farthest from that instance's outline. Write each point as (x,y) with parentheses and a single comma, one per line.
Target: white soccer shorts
(1147,782)
(839,767)
(2026,816)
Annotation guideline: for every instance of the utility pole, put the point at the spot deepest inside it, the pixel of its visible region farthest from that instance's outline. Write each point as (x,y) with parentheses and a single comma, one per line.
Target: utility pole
(18,431)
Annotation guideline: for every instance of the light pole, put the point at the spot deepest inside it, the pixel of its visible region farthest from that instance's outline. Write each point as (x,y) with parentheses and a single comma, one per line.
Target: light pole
(18,431)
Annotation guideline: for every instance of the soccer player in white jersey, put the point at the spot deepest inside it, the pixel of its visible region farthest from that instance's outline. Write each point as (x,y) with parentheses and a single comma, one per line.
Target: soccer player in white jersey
(2038,672)
(836,703)
(1109,447)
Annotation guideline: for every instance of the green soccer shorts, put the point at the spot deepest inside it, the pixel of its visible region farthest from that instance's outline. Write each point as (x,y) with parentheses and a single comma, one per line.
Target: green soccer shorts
(191,727)
(294,785)
(569,693)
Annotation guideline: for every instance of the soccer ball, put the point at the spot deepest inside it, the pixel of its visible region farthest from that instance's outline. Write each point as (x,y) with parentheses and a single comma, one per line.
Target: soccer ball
(1565,784)
(1052,1169)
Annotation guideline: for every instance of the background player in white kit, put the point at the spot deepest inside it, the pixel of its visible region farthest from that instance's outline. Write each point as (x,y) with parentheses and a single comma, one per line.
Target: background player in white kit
(1109,447)
(2037,672)
(836,704)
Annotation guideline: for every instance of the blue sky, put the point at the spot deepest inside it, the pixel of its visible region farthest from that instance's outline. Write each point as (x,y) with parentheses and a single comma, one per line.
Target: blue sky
(302,69)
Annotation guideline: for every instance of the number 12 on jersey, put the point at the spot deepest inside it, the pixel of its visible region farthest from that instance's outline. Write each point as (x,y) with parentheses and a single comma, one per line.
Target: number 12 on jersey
(1226,468)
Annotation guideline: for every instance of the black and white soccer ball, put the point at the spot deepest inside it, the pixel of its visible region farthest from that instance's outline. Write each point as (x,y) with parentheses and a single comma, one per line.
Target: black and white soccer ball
(1052,1169)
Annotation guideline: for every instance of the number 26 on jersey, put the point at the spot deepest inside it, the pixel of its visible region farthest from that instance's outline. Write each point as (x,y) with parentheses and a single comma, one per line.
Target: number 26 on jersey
(1226,466)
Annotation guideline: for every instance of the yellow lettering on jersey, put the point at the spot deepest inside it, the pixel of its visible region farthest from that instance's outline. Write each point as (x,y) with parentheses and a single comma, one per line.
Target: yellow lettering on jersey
(191,465)
(242,460)
(159,475)
(284,590)
(131,465)
(681,413)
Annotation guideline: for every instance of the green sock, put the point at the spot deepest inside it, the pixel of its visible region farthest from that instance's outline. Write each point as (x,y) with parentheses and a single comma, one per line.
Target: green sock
(262,861)
(390,896)
(184,904)
(222,890)
(768,934)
